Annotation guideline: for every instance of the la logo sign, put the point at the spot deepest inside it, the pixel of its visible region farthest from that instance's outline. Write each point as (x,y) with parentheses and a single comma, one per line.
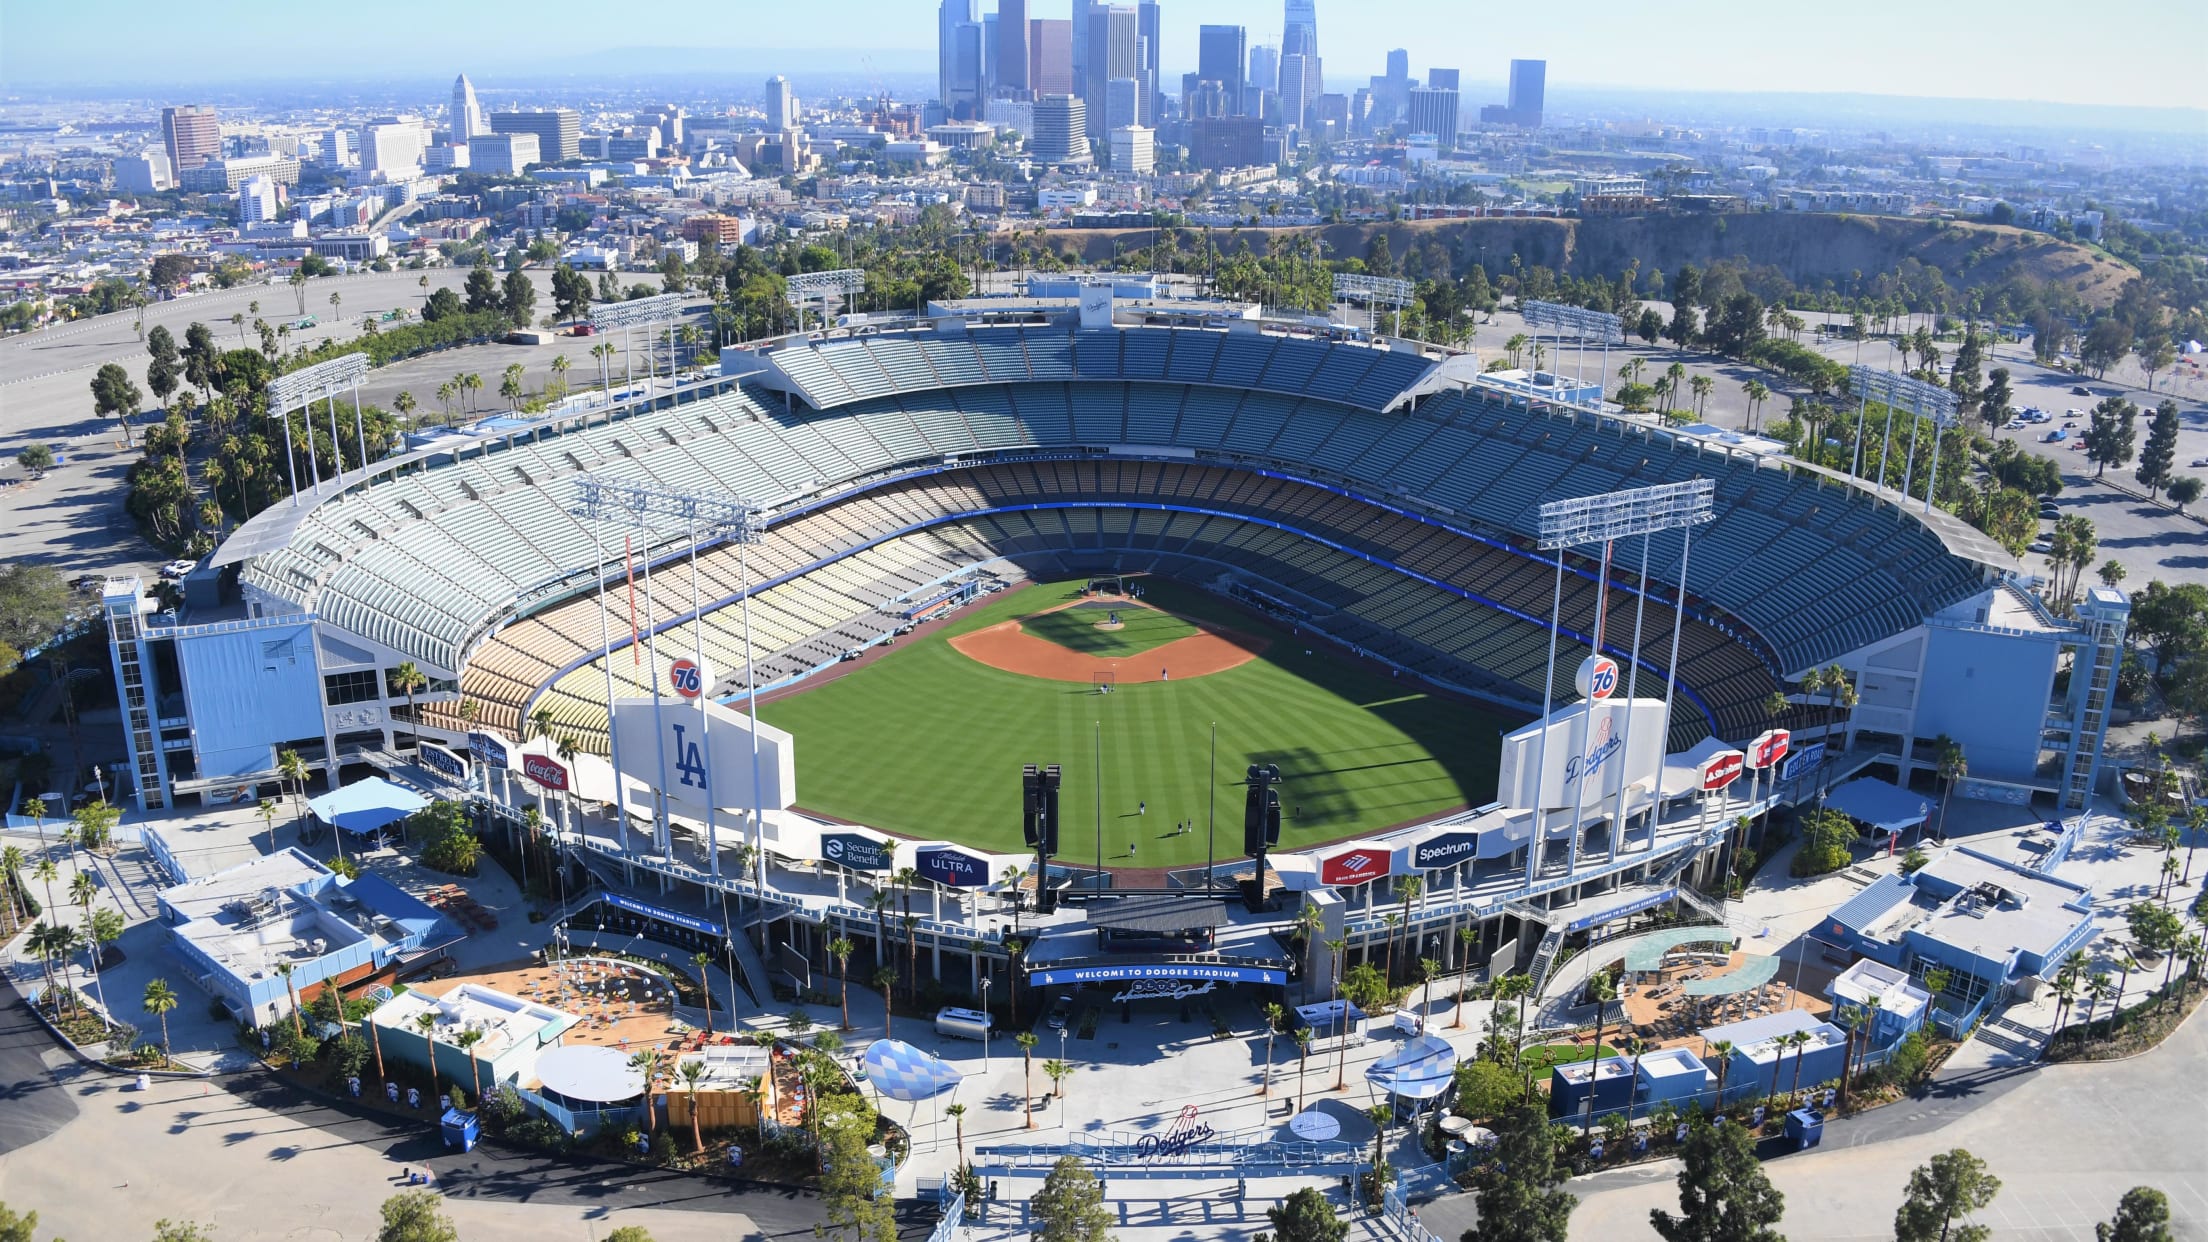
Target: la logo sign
(1597,678)
(687,677)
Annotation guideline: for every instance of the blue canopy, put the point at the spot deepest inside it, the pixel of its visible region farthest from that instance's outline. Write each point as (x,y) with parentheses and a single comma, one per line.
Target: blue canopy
(1879,804)
(903,1072)
(366,806)
(1419,1070)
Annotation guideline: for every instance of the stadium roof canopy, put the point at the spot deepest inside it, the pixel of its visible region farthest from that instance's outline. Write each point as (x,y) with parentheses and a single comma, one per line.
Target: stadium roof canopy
(1162,913)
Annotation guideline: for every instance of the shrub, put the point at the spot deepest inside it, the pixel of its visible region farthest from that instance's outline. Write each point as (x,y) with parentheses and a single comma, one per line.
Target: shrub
(346,1055)
(539,1133)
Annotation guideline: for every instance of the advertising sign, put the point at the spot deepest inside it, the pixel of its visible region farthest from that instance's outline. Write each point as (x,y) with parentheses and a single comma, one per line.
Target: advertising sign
(1768,749)
(1115,974)
(437,759)
(952,868)
(1802,761)
(692,922)
(546,771)
(1591,755)
(488,748)
(1721,769)
(688,678)
(1355,865)
(1597,678)
(1647,902)
(860,853)
(689,750)
(1446,850)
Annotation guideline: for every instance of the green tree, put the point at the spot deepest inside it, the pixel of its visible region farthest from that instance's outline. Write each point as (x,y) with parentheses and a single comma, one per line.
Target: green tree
(34,604)
(2184,489)
(1954,1184)
(851,1186)
(416,1216)
(630,1233)
(182,1231)
(2143,1215)
(1027,1041)
(115,396)
(35,458)
(15,1228)
(159,999)
(2111,436)
(1485,1089)
(519,298)
(2160,455)
(1521,1196)
(1723,1193)
(1306,1216)
(570,292)
(1993,404)
(1070,1206)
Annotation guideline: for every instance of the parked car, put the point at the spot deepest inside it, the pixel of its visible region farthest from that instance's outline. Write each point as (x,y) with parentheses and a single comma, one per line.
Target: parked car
(2080,390)
(2049,512)
(2014,424)
(177,569)
(2057,436)
(1061,1012)
(88,584)
(2041,545)
(2199,462)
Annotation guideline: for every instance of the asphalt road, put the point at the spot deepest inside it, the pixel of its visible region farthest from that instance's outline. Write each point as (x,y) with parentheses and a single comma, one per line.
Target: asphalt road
(33,1104)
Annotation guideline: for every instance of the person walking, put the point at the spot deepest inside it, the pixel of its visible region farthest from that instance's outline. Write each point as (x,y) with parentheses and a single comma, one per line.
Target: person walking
(1142,808)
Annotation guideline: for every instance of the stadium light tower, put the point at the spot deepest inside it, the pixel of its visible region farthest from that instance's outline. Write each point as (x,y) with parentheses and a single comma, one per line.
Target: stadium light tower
(645,313)
(807,287)
(299,390)
(1375,291)
(1642,512)
(1583,325)
(741,522)
(1899,392)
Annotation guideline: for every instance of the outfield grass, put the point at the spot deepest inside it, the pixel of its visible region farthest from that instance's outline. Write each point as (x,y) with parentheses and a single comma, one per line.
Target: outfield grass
(1140,629)
(928,743)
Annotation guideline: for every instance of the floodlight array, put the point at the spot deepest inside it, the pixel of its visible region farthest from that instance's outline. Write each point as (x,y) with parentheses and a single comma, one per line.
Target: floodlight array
(644,505)
(1585,520)
(812,286)
(1580,323)
(638,313)
(1374,290)
(294,389)
(1896,391)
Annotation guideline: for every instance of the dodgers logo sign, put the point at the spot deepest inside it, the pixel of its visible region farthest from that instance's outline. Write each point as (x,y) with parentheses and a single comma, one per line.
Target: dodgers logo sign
(546,771)
(1597,678)
(689,757)
(1603,745)
(687,677)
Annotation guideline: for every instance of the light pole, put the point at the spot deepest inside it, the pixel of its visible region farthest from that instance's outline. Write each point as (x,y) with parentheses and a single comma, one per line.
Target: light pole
(988,1024)
(99,779)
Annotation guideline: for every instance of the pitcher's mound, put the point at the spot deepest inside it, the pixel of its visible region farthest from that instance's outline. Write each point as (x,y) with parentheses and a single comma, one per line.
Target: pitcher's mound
(1009,646)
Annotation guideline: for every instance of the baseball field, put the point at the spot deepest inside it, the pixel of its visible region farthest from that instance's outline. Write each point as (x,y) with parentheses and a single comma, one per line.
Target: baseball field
(927,739)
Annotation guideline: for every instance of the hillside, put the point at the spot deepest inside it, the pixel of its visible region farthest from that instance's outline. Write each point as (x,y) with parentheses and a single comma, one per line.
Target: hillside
(1809,249)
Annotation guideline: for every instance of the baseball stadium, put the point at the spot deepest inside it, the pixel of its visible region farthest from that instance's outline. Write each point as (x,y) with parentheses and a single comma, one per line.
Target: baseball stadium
(1152,543)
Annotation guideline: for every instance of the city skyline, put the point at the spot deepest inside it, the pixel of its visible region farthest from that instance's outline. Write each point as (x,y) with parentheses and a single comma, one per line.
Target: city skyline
(1973,49)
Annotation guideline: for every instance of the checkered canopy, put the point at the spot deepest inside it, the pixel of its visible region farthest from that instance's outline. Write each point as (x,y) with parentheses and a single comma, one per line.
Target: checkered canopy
(1419,1070)
(903,1072)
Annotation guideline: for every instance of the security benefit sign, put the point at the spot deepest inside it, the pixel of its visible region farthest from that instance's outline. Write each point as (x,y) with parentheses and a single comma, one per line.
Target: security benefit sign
(1594,750)
(699,754)
(857,851)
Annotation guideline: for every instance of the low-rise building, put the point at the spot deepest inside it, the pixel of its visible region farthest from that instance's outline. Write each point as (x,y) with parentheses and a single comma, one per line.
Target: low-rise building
(1764,1047)
(511,1032)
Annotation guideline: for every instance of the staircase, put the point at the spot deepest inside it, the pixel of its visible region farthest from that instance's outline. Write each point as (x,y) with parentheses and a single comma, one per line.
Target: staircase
(1544,957)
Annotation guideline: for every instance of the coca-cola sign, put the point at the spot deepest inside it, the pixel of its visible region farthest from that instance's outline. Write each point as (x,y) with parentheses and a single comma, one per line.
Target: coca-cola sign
(546,771)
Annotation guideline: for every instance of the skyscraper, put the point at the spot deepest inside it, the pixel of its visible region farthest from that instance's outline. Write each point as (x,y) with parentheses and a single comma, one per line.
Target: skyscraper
(1012,49)
(958,56)
(1061,130)
(1264,72)
(781,104)
(1050,56)
(192,135)
(559,130)
(1441,79)
(1528,86)
(1081,47)
(467,114)
(1122,103)
(1435,112)
(1114,46)
(1299,31)
(1297,73)
(1399,65)
(1149,30)
(1221,52)
(1299,35)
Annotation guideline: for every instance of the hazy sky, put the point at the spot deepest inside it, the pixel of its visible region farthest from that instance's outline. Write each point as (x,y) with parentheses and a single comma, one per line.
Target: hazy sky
(2132,52)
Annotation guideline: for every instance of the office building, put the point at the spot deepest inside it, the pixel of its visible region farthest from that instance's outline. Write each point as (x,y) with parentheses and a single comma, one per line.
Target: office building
(1050,57)
(339,150)
(467,113)
(1061,130)
(559,131)
(1134,150)
(1434,112)
(1222,142)
(1441,79)
(1296,76)
(1122,103)
(1201,97)
(959,60)
(192,135)
(1149,35)
(1080,62)
(257,201)
(1528,87)
(1299,30)
(1399,65)
(1330,114)
(781,104)
(505,155)
(1264,76)
(393,144)
(221,176)
(1221,54)
(1113,52)
(1012,49)
(445,158)
(147,172)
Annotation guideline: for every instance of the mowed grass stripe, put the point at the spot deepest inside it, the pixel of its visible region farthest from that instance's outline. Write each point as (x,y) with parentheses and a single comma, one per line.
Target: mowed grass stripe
(928,743)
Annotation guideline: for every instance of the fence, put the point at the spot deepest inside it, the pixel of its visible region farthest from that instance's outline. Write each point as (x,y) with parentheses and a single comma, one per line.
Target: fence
(1401,1219)
(582,1123)
(954,1215)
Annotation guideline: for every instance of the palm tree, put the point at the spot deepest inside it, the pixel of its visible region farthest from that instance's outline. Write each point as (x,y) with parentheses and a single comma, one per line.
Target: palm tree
(912,955)
(957,1114)
(1702,386)
(1467,936)
(1757,394)
(298,1029)
(650,1061)
(1391,920)
(426,1023)
(1407,890)
(293,770)
(42,943)
(409,678)
(701,960)
(1953,767)
(467,1040)
(1634,1046)
(1302,1036)
(693,1071)
(1339,947)
(1058,1071)
(83,891)
(2098,988)
(841,949)
(1027,1041)
(44,871)
(560,364)
(1427,969)
(509,386)
(12,862)
(1799,1041)
(36,809)
(1722,1053)
(1604,992)
(886,979)
(541,722)
(1273,1015)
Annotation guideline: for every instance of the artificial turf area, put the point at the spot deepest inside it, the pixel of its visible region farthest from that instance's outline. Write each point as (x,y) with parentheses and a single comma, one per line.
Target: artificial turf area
(927,742)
